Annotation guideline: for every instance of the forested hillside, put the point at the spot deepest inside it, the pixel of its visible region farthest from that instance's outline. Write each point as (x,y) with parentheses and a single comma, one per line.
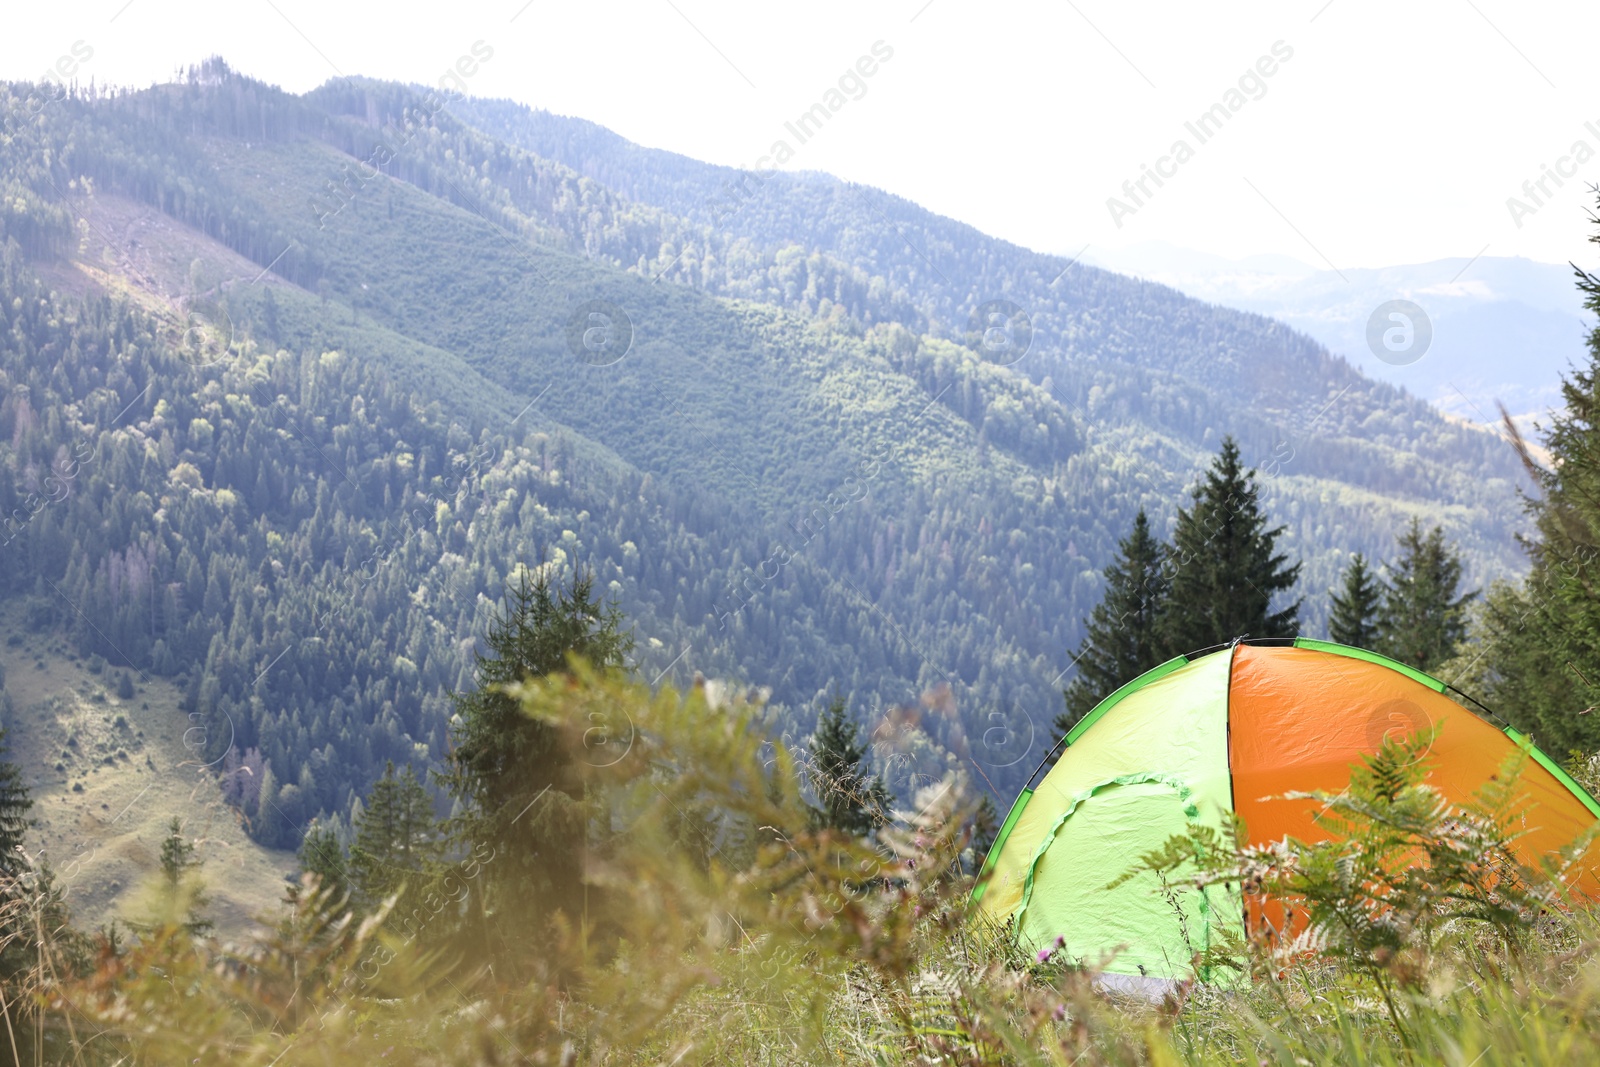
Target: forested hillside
(290,390)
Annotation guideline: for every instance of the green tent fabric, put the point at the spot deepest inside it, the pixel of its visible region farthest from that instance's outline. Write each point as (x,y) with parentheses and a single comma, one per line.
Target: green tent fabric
(1102,806)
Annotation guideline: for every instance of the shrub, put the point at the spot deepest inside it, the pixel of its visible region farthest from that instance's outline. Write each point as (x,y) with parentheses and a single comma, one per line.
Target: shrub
(1402,869)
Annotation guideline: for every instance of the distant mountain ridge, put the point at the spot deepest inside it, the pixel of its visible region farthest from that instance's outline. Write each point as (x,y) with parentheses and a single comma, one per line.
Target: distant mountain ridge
(1505,329)
(948,266)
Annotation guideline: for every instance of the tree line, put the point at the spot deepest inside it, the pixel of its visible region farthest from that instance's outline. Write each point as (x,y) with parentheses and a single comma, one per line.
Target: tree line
(1219,576)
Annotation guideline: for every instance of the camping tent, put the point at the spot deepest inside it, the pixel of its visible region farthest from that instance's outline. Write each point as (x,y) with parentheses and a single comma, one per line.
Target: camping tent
(1201,736)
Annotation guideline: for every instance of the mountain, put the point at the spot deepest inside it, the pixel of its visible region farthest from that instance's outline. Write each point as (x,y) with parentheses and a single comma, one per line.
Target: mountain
(293,384)
(1504,329)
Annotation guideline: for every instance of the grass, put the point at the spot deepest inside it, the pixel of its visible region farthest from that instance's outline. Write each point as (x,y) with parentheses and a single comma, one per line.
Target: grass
(101,817)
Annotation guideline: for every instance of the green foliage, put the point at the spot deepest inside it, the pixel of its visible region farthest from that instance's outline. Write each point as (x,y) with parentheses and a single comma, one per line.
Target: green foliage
(343,456)
(1225,565)
(15,803)
(770,953)
(181,889)
(775,917)
(848,797)
(1423,618)
(323,855)
(522,795)
(1534,651)
(1401,869)
(1124,635)
(1214,582)
(1356,606)
(395,838)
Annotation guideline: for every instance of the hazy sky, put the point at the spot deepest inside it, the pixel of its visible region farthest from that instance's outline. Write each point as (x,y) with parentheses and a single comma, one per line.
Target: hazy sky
(1393,132)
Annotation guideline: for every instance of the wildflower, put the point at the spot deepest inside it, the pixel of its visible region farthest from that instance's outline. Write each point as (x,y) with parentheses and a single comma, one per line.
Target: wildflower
(1044,955)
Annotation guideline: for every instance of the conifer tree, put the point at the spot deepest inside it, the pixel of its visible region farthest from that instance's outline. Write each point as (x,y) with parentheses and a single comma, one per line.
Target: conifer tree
(849,797)
(394,839)
(522,800)
(1357,607)
(269,824)
(15,803)
(180,870)
(1424,618)
(1225,566)
(322,854)
(1122,637)
(1540,661)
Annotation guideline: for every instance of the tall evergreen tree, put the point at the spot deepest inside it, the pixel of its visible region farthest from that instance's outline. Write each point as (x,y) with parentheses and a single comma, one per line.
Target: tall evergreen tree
(180,870)
(1424,618)
(849,797)
(1122,636)
(1540,655)
(15,803)
(322,854)
(394,839)
(1357,607)
(522,800)
(1225,565)
(269,825)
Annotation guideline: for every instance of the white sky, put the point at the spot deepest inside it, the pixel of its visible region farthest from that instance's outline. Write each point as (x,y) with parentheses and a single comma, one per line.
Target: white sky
(1395,133)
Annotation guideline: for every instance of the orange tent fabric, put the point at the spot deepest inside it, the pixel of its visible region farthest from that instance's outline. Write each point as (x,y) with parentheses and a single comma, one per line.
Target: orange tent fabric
(1283,739)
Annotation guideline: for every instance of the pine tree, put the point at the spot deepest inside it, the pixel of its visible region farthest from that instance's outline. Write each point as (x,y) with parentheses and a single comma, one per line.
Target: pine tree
(849,797)
(15,803)
(522,801)
(1122,634)
(1540,659)
(1225,566)
(1423,618)
(269,826)
(394,839)
(322,854)
(1357,607)
(180,883)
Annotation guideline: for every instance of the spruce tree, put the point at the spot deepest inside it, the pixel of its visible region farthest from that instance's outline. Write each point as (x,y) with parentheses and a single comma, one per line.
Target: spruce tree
(1357,607)
(15,803)
(322,854)
(180,883)
(1424,618)
(1122,637)
(394,839)
(522,801)
(849,797)
(1225,566)
(1540,659)
(269,825)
